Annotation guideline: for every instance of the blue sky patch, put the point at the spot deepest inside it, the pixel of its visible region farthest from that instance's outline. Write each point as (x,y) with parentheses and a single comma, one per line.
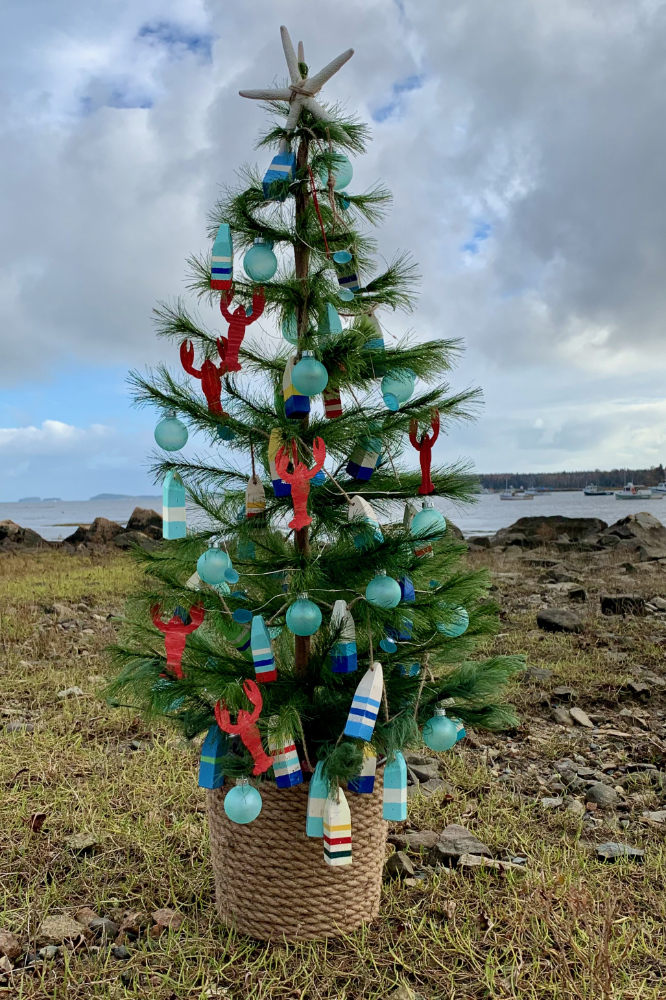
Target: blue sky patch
(176,38)
(482,231)
(393,105)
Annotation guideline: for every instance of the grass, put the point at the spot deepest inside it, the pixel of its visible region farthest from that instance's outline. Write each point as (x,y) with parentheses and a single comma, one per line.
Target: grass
(570,927)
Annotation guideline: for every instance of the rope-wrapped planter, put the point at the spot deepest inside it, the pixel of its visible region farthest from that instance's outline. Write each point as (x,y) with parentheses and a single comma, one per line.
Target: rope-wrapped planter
(271,880)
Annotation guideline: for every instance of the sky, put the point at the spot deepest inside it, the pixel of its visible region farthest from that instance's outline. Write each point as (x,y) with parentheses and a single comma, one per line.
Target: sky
(524,144)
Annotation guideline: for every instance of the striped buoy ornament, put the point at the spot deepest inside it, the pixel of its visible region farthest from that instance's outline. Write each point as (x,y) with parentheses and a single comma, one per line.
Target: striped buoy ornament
(222,263)
(262,651)
(337,830)
(395,789)
(255,498)
(362,513)
(317,795)
(296,405)
(173,506)
(286,766)
(214,746)
(365,706)
(343,652)
(365,782)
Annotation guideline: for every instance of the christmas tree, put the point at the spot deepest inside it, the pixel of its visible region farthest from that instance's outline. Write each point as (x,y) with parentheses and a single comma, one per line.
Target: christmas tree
(321,604)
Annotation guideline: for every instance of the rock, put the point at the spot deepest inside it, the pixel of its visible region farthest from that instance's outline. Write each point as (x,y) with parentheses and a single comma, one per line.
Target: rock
(415,841)
(576,808)
(538,673)
(51,951)
(405,992)
(9,944)
(659,603)
(611,851)
(85,915)
(12,534)
(622,604)
(6,967)
(128,539)
(398,865)
(576,593)
(101,532)
(59,928)
(425,771)
(567,693)
(81,842)
(73,692)
(419,759)
(19,727)
(433,785)
(103,928)
(552,803)
(639,688)
(120,952)
(475,861)
(559,620)
(602,795)
(581,717)
(481,541)
(562,716)
(657,817)
(455,840)
(168,918)
(542,530)
(134,922)
(149,522)
(648,553)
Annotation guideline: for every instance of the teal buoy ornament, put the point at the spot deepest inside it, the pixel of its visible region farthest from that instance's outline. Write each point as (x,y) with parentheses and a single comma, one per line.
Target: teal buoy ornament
(171,433)
(290,328)
(342,171)
(428,522)
(383,591)
(345,294)
(303,617)
(342,256)
(309,377)
(459,621)
(397,387)
(260,263)
(212,564)
(225,433)
(242,803)
(440,733)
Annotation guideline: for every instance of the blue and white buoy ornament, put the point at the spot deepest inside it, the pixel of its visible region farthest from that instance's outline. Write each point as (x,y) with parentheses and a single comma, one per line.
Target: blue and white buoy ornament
(395,789)
(362,514)
(296,404)
(366,703)
(343,652)
(286,765)
(262,651)
(364,783)
(282,167)
(174,523)
(211,773)
(275,442)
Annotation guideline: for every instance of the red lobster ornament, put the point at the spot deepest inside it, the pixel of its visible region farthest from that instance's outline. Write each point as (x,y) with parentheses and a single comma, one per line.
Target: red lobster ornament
(246,727)
(424,448)
(299,479)
(209,373)
(238,322)
(175,635)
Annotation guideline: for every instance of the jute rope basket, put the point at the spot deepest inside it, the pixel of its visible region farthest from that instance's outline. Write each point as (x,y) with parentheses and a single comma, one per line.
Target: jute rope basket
(271,881)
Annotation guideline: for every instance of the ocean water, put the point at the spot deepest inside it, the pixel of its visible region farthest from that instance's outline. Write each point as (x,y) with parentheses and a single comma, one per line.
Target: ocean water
(55,520)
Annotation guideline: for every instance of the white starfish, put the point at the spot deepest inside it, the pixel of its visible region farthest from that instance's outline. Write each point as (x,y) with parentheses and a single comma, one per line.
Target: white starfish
(300,93)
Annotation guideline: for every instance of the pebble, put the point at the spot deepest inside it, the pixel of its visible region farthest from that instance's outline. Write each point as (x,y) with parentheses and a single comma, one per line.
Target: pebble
(73,692)
(657,817)
(103,927)
(552,803)
(120,952)
(611,851)
(80,842)
(581,717)
(559,620)
(19,727)
(602,795)
(576,807)
(59,928)
(562,716)
(398,865)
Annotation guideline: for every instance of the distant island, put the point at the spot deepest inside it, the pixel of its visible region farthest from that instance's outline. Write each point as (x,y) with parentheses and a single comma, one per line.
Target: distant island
(122,496)
(573,480)
(30,500)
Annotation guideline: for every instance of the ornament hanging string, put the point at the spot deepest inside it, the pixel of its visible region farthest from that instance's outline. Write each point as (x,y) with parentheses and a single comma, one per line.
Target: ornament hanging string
(318,210)
(254,474)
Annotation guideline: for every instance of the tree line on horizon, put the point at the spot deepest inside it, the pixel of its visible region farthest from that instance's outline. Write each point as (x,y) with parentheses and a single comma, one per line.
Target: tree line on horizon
(573,480)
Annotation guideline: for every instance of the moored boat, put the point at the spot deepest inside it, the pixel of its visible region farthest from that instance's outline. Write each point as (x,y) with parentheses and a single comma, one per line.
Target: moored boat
(592,490)
(631,492)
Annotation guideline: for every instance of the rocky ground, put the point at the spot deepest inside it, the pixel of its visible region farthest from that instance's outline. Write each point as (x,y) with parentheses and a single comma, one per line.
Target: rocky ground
(532,863)
(144,529)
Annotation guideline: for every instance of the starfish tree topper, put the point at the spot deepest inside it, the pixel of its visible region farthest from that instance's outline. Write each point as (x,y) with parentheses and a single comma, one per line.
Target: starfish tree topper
(302,89)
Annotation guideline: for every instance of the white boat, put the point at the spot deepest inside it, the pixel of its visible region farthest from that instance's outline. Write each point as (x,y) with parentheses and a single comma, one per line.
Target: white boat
(631,492)
(516,495)
(660,488)
(592,490)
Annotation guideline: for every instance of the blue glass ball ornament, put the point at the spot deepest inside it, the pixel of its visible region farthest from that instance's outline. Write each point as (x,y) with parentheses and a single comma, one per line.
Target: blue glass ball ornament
(341,169)
(242,616)
(303,617)
(290,328)
(428,522)
(397,386)
(171,433)
(260,263)
(440,732)
(225,433)
(309,376)
(383,591)
(319,478)
(388,645)
(239,595)
(231,575)
(212,564)
(345,294)
(342,256)
(459,623)
(434,584)
(242,803)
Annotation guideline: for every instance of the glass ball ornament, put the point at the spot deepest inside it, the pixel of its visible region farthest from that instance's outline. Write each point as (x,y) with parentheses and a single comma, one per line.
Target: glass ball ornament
(345,294)
(309,376)
(225,433)
(440,733)
(211,565)
(342,256)
(459,621)
(231,575)
(428,522)
(397,386)
(290,328)
(342,171)
(383,591)
(260,263)
(319,478)
(388,645)
(171,433)
(242,616)
(242,803)
(303,617)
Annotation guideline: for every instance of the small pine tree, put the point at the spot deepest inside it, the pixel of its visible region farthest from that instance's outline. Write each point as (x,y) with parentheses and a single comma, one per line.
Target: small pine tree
(308,220)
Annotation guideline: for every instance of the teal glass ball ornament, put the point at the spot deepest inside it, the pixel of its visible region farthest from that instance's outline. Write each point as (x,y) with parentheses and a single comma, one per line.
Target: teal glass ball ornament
(231,575)
(428,522)
(459,621)
(290,328)
(319,478)
(225,433)
(260,263)
(388,645)
(342,171)
(171,433)
(211,565)
(342,256)
(303,617)
(440,733)
(345,294)
(309,376)
(242,803)
(397,386)
(242,615)
(383,591)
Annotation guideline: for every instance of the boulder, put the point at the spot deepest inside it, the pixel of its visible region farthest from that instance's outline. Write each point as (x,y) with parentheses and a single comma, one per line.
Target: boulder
(481,541)
(535,531)
(636,532)
(622,604)
(128,539)
(398,865)
(101,532)
(149,522)
(559,620)
(455,841)
(12,534)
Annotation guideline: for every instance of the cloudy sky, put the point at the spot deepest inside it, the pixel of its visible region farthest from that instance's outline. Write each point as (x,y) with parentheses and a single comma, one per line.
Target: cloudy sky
(525,146)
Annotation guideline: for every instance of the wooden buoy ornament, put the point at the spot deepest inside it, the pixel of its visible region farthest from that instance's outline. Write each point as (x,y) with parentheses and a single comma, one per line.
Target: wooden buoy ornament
(337,830)
(365,706)
(174,523)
